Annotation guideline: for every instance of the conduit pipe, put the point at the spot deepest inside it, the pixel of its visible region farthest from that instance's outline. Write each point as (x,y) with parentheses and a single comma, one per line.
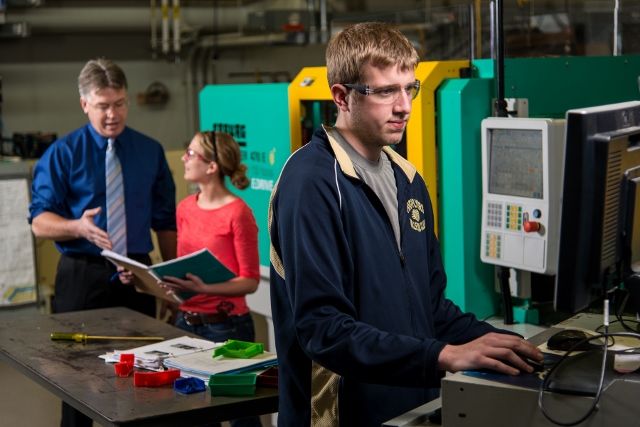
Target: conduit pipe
(133,19)
(239,39)
(165,26)
(154,25)
(324,26)
(176,27)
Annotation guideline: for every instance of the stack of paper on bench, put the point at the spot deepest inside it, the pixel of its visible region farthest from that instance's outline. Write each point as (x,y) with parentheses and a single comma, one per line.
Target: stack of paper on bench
(152,356)
(202,364)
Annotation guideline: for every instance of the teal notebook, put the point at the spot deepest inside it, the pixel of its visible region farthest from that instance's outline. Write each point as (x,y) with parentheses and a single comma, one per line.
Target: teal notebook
(202,264)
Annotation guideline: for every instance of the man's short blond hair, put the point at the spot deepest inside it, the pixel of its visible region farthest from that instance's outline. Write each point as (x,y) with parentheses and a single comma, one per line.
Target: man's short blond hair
(375,43)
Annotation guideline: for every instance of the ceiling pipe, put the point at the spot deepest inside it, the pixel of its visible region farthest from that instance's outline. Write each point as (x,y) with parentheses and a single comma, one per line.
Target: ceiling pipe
(324,26)
(133,19)
(176,28)
(472,34)
(154,26)
(617,35)
(164,10)
(313,29)
(492,29)
(239,39)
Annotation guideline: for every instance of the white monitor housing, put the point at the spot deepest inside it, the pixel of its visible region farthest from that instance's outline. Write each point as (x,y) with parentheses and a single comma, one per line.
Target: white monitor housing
(522,160)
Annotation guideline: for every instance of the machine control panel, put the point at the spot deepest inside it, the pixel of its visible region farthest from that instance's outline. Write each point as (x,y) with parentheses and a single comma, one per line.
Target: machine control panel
(522,186)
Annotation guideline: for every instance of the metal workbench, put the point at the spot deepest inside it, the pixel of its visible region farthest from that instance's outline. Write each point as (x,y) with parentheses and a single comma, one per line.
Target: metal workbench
(73,372)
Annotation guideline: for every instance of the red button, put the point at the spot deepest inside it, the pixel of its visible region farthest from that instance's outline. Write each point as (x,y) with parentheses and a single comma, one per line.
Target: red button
(531,226)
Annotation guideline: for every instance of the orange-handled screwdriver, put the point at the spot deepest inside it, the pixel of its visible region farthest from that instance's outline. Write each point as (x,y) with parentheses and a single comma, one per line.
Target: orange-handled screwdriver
(79,337)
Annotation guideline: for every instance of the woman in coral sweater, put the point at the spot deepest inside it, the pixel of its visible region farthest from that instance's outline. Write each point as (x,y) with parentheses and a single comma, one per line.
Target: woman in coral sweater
(216,219)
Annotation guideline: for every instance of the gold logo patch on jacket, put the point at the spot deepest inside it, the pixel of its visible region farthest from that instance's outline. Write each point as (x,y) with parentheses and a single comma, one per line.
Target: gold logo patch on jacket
(415,209)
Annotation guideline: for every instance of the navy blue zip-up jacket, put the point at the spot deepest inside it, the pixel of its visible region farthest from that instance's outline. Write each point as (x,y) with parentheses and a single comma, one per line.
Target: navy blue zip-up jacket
(359,324)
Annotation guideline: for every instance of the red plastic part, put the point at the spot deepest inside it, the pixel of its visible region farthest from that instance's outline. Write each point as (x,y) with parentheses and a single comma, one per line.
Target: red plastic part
(127,358)
(123,369)
(268,378)
(155,379)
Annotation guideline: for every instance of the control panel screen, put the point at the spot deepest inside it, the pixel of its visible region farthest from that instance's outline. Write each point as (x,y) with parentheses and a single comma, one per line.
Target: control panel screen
(515,162)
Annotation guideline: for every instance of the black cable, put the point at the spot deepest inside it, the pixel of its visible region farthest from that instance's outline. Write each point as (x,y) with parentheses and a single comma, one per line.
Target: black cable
(613,340)
(629,328)
(544,386)
(620,311)
(507,304)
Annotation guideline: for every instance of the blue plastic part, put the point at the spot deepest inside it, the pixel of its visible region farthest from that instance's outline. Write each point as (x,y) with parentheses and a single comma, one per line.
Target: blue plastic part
(189,385)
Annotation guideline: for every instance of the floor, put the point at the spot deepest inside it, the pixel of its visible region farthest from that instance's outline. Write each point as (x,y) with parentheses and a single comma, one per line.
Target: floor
(23,402)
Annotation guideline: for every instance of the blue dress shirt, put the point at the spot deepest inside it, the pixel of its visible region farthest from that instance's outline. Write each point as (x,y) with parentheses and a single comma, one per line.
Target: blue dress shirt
(70,178)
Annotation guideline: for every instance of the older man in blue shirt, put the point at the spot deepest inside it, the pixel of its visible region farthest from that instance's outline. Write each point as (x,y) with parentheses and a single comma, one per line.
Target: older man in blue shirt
(69,196)
(69,201)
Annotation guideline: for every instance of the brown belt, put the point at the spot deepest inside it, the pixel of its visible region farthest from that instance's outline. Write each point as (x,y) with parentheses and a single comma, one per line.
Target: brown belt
(196,319)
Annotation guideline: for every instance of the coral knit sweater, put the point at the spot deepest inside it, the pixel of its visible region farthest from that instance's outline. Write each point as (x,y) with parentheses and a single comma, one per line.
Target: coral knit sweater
(231,234)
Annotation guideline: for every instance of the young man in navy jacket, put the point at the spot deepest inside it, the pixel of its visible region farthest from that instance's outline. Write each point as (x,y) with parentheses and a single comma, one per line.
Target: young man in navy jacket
(363,329)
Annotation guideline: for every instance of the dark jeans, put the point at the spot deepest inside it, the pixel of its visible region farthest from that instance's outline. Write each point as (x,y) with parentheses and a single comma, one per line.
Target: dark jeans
(85,282)
(235,327)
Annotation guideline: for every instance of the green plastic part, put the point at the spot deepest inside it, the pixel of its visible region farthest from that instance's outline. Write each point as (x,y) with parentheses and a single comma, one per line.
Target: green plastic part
(232,384)
(239,349)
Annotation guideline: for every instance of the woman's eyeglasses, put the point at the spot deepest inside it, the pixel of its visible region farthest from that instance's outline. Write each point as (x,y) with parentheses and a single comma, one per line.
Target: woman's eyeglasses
(190,154)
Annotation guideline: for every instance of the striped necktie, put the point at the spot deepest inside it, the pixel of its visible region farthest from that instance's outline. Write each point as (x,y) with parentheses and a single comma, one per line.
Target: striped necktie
(116,219)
